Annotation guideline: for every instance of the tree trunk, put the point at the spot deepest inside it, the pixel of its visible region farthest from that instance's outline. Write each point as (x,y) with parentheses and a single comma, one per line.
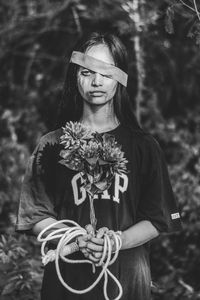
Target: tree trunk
(139,54)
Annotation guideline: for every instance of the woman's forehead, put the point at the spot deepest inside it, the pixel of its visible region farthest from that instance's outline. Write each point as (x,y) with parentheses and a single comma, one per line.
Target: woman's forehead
(101,52)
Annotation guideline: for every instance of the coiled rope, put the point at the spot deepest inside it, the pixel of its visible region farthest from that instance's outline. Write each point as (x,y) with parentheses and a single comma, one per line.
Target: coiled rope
(64,248)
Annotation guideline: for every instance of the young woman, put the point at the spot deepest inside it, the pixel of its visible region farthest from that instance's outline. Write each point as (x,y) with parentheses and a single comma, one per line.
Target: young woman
(140,203)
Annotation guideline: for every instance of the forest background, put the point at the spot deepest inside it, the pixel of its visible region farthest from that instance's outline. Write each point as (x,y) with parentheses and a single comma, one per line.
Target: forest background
(163,39)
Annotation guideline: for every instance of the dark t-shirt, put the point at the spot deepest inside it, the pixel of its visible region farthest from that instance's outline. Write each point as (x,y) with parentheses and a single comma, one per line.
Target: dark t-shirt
(144,193)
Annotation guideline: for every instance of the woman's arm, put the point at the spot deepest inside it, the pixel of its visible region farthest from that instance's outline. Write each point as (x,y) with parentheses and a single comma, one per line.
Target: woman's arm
(39,226)
(138,234)
(134,236)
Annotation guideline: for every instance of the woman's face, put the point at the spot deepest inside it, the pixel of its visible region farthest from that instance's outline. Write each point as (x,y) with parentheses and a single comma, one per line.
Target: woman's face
(95,88)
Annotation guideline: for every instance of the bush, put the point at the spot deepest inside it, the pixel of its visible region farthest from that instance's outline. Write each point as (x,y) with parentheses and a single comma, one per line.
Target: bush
(176,257)
(21,272)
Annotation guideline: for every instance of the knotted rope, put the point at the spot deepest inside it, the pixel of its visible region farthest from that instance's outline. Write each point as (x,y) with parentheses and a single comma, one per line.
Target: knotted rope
(64,248)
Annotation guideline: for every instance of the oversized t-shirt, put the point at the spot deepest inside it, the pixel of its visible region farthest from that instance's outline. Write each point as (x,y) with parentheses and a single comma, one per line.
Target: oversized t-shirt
(50,189)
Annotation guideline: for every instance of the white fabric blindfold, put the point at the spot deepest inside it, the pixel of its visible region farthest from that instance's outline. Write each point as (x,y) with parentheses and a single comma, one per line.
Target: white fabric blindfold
(99,66)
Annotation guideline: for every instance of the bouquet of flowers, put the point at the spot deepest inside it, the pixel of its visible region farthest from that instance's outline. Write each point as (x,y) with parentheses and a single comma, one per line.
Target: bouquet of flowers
(97,157)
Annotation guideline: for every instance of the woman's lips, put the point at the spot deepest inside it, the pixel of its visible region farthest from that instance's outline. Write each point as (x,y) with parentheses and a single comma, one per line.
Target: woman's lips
(97,93)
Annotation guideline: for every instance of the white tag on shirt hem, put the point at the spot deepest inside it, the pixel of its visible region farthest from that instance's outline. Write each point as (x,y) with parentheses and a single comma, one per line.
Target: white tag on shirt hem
(175,216)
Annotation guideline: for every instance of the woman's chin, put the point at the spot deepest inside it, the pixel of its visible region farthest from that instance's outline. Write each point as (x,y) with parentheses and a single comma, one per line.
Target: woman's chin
(97,101)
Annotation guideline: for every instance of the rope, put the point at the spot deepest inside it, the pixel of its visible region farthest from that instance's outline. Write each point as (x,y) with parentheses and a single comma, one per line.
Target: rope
(64,248)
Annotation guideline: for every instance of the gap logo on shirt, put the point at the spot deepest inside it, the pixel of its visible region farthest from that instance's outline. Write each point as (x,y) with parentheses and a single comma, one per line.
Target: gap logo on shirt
(80,194)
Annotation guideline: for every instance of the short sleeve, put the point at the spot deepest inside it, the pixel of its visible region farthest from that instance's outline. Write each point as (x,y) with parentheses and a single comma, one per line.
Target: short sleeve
(36,199)
(157,202)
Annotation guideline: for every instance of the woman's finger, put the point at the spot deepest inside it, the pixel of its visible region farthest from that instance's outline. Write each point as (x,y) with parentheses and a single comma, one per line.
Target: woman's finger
(85,252)
(101,232)
(94,247)
(82,240)
(97,254)
(89,229)
(97,241)
(93,259)
(82,244)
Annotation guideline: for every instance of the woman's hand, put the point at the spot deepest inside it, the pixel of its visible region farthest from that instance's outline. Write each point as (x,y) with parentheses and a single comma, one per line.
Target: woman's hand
(82,243)
(96,244)
(83,240)
(92,246)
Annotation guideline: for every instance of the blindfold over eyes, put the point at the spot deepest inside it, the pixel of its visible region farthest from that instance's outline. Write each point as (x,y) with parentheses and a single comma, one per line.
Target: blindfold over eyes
(99,66)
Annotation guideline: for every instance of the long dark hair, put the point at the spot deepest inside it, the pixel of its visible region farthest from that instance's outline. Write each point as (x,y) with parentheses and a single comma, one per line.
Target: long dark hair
(71,106)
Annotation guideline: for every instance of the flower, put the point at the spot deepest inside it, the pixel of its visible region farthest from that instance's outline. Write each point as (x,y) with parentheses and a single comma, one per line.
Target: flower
(75,135)
(71,160)
(90,149)
(98,157)
(113,155)
(77,130)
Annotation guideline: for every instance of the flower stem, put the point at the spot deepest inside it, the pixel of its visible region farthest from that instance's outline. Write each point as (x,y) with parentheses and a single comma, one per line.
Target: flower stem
(93,219)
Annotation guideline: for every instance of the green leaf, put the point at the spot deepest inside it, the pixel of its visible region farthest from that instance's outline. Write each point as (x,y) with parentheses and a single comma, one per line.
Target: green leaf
(103,162)
(3,239)
(4,258)
(63,162)
(9,288)
(71,165)
(65,153)
(103,185)
(92,160)
(93,190)
(169,20)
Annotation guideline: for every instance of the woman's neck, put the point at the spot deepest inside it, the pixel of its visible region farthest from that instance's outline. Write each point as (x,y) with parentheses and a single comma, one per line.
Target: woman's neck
(99,117)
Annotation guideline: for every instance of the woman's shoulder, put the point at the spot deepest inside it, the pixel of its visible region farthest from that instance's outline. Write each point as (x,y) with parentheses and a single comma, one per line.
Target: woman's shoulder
(146,149)
(47,147)
(142,139)
(51,137)
(150,142)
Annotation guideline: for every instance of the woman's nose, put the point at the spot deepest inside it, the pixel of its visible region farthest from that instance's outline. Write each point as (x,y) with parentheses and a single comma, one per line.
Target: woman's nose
(97,79)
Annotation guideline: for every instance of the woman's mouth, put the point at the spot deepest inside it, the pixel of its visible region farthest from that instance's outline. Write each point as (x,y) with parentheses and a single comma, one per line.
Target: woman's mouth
(97,93)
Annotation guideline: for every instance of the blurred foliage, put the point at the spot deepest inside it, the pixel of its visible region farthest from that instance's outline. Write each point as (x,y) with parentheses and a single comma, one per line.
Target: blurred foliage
(20,269)
(36,39)
(175,258)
